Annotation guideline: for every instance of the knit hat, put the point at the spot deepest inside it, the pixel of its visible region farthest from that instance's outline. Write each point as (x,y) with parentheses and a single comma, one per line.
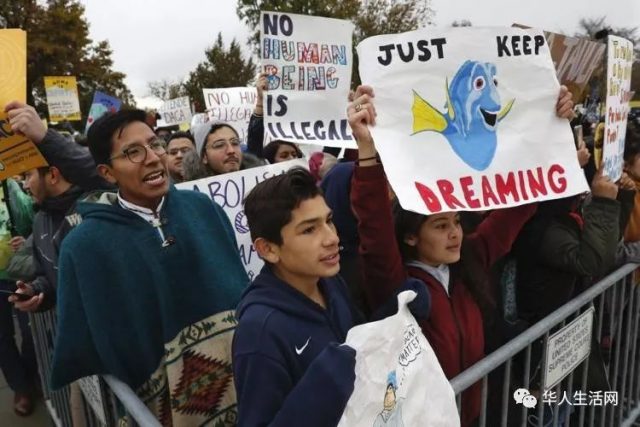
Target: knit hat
(201,131)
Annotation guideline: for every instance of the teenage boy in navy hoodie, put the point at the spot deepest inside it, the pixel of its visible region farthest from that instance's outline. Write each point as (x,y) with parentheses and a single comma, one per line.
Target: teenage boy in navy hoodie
(288,368)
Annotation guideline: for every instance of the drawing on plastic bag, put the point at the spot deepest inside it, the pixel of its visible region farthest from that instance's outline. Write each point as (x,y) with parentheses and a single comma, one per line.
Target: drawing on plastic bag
(391,414)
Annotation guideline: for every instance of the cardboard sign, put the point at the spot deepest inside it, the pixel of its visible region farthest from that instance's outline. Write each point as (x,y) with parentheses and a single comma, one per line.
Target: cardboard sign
(176,111)
(233,105)
(466,119)
(308,60)
(575,60)
(568,348)
(228,191)
(619,64)
(101,104)
(17,153)
(62,98)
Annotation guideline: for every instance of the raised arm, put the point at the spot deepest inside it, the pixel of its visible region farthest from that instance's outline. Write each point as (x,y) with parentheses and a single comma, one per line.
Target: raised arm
(383,270)
(255,134)
(74,161)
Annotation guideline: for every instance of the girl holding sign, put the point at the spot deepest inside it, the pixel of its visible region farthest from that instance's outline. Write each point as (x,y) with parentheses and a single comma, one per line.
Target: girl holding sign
(433,249)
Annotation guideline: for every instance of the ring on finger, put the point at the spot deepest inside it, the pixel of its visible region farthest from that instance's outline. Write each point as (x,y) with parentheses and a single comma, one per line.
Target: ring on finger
(358,108)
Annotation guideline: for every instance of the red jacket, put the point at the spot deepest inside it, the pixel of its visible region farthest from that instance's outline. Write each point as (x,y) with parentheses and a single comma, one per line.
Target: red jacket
(454,328)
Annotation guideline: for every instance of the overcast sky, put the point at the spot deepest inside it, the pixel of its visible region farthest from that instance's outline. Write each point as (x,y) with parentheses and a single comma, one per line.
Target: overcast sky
(163,39)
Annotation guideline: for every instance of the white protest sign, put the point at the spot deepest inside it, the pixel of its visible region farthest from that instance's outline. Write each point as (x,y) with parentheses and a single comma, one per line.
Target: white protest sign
(619,63)
(229,190)
(92,392)
(397,376)
(308,60)
(176,111)
(568,348)
(466,118)
(232,105)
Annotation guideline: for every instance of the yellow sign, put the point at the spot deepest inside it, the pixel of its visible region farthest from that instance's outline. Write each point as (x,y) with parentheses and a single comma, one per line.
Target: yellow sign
(17,153)
(62,98)
(13,73)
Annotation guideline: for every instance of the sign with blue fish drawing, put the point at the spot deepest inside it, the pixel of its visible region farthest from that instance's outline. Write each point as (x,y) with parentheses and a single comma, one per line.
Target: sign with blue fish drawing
(473,110)
(466,118)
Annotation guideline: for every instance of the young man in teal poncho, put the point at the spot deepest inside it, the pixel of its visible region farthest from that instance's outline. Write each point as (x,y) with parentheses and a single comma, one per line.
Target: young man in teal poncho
(148,283)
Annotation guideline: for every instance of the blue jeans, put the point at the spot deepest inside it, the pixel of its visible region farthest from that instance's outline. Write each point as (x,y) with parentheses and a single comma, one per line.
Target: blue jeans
(20,368)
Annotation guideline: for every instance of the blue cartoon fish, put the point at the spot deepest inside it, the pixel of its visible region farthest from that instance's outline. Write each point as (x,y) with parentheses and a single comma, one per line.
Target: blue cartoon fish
(473,110)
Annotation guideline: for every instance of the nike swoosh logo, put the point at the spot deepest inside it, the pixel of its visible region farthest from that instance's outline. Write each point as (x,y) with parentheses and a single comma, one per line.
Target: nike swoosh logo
(300,350)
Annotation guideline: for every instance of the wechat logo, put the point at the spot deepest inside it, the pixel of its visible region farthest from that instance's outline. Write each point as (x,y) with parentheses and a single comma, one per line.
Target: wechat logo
(523,397)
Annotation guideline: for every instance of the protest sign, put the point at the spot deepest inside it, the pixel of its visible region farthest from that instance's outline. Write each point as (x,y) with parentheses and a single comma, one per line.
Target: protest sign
(228,191)
(62,98)
(575,60)
(466,119)
(18,154)
(308,60)
(619,64)
(233,105)
(101,104)
(13,73)
(397,376)
(176,111)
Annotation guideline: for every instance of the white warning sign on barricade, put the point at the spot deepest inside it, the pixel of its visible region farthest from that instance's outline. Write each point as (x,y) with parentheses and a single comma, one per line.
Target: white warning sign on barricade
(568,348)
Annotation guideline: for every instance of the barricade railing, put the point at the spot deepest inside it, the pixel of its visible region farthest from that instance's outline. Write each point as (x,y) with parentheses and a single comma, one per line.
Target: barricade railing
(90,402)
(580,365)
(539,361)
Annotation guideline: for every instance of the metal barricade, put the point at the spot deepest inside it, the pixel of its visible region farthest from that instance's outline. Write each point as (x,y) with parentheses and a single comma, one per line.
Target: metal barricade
(613,305)
(612,308)
(90,402)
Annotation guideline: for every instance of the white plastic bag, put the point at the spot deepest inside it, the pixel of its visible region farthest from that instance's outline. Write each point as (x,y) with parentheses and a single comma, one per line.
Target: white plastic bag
(399,381)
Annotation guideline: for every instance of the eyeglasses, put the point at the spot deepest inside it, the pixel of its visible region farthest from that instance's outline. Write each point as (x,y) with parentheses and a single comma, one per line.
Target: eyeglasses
(221,143)
(183,151)
(137,153)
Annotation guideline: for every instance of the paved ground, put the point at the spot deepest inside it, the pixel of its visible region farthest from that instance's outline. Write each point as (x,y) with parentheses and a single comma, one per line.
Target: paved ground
(8,418)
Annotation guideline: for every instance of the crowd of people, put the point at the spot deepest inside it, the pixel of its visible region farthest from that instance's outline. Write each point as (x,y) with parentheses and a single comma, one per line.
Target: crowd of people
(148,285)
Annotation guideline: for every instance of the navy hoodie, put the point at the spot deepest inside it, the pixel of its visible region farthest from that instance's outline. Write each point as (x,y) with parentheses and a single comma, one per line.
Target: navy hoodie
(286,370)
(336,188)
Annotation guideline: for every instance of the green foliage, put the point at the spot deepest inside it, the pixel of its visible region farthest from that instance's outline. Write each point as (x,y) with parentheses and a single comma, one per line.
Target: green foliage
(222,68)
(58,43)
(590,26)
(391,16)
(166,89)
